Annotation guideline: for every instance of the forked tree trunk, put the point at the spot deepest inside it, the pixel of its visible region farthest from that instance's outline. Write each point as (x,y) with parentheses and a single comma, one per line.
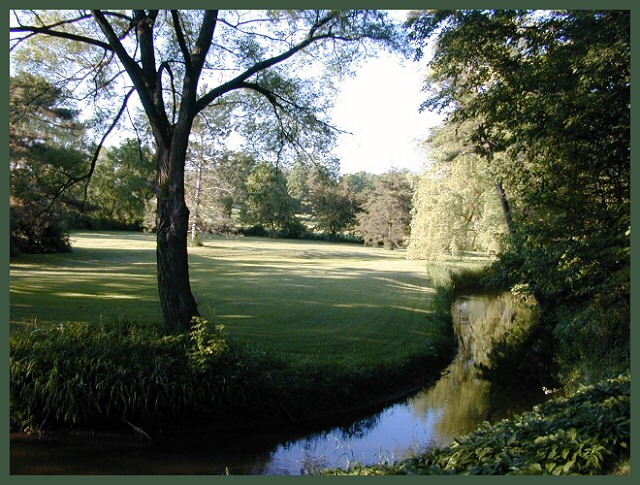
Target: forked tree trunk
(172,222)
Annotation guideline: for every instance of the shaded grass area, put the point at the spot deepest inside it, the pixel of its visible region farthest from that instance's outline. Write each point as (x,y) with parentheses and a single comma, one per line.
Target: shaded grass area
(298,299)
(108,276)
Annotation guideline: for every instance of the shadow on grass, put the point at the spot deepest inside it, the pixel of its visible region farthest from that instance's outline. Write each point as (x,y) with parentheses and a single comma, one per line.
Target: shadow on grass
(299,298)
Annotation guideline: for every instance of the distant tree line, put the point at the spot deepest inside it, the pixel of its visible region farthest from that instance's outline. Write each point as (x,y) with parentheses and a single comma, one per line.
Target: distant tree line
(227,191)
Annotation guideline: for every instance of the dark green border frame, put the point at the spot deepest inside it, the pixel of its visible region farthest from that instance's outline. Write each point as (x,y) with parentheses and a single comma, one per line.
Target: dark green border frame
(337,4)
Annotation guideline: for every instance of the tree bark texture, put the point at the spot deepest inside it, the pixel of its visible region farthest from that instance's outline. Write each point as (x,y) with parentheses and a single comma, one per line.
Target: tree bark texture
(174,287)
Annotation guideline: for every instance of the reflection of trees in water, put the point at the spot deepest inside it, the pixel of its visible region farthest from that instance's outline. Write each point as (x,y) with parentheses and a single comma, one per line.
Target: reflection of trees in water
(317,450)
(461,399)
(454,406)
(360,428)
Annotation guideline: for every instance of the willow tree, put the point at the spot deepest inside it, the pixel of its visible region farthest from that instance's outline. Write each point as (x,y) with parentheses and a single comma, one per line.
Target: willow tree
(550,92)
(455,206)
(165,56)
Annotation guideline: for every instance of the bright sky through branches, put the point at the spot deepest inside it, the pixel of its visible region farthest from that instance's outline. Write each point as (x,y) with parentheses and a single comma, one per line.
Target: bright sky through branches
(380,108)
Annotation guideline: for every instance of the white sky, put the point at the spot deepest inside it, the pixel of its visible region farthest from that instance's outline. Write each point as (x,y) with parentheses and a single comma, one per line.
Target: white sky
(380,108)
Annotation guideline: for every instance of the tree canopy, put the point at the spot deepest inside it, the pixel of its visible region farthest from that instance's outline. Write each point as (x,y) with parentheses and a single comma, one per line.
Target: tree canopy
(455,203)
(48,155)
(102,57)
(549,93)
(386,215)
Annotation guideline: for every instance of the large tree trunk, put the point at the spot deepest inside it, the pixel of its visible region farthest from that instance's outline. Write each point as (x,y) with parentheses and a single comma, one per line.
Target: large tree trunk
(176,298)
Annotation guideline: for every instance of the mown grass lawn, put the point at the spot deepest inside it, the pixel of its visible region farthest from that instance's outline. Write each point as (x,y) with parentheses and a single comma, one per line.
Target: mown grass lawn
(299,299)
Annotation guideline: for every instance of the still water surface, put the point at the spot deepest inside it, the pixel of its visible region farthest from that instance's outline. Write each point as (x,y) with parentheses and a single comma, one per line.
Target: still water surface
(431,418)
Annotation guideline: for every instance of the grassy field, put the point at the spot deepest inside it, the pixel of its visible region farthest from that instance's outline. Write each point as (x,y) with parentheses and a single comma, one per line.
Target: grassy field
(300,299)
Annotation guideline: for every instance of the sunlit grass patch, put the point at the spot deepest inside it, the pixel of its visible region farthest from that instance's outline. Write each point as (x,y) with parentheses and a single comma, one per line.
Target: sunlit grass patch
(301,299)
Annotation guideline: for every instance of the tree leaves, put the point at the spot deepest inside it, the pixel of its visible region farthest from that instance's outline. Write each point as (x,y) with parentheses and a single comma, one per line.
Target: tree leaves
(549,93)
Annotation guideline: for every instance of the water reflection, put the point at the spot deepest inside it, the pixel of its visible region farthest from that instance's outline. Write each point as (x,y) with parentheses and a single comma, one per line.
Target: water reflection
(434,417)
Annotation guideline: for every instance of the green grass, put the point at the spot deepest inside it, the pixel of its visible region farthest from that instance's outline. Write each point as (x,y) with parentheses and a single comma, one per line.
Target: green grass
(299,299)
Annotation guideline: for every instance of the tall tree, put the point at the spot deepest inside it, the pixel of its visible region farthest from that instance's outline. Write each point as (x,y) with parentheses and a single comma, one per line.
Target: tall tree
(333,203)
(166,54)
(551,91)
(455,204)
(386,216)
(122,184)
(269,202)
(204,186)
(47,157)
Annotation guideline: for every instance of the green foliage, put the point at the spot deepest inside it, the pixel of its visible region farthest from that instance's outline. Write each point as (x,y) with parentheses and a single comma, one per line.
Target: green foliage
(455,203)
(596,339)
(548,94)
(269,202)
(122,185)
(466,281)
(333,203)
(586,433)
(99,376)
(92,375)
(27,237)
(46,160)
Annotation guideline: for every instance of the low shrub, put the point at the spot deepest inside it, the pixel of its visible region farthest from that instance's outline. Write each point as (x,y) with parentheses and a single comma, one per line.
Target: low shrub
(485,279)
(27,236)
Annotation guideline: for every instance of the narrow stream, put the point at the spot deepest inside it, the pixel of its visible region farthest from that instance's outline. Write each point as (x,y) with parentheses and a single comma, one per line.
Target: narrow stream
(431,418)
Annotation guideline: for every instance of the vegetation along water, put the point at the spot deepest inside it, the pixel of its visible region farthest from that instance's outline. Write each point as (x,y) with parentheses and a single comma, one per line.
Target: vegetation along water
(278,288)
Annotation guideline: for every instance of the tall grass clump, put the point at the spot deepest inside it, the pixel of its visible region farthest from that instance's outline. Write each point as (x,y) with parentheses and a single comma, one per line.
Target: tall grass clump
(101,375)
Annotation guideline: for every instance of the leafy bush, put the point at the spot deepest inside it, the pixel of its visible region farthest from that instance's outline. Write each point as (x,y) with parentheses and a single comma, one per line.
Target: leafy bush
(596,340)
(254,231)
(586,434)
(476,280)
(26,236)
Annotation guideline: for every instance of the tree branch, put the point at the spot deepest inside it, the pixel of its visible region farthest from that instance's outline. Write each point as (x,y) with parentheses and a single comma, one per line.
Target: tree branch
(74,180)
(151,100)
(181,41)
(236,83)
(203,44)
(104,138)
(144,32)
(166,66)
(62,35)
